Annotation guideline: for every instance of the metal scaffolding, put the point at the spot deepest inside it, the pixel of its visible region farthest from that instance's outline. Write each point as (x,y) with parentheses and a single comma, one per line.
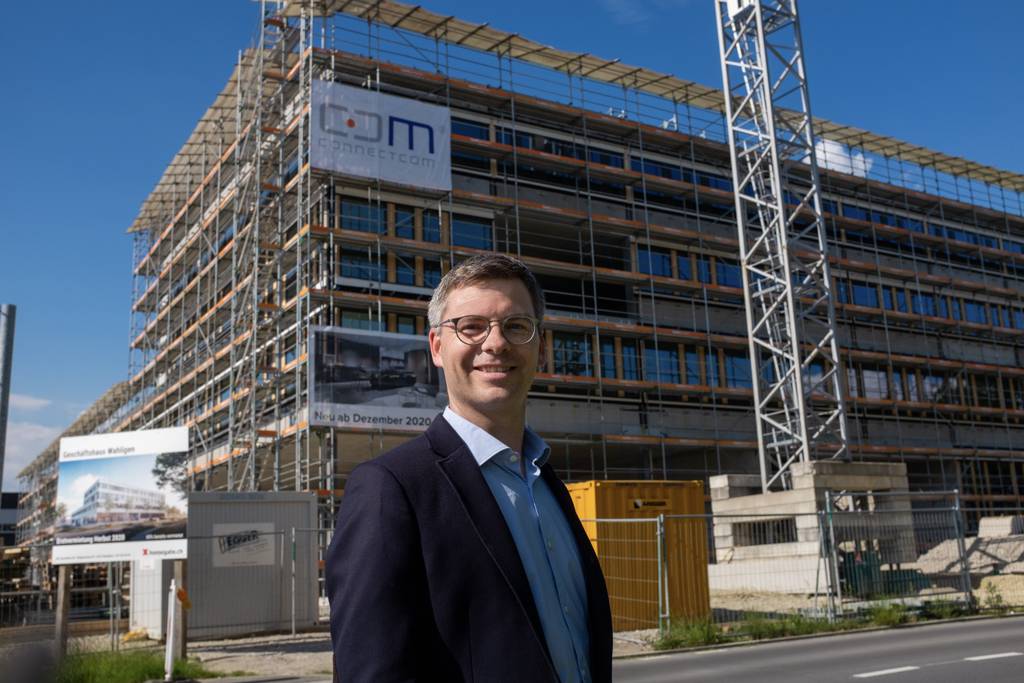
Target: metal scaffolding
(612,183)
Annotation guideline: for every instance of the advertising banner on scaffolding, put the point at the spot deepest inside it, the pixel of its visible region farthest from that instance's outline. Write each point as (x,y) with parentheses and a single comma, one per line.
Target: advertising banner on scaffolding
(365,133)
(384,380)
(122,497)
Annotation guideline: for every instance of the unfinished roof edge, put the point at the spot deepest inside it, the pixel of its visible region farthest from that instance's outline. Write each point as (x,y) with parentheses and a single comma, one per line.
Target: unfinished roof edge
(483,37)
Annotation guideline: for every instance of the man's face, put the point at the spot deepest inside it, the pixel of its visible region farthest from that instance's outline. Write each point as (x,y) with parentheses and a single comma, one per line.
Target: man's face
(492,378)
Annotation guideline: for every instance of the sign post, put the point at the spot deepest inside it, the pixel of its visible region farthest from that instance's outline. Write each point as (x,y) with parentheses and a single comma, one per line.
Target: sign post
(181,623)
(63,605)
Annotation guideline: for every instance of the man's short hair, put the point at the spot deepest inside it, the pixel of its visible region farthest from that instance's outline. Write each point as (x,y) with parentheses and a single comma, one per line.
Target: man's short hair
(484,268)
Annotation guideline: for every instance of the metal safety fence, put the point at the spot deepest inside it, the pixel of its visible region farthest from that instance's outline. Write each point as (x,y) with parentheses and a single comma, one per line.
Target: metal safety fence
(837,564)
(842,563)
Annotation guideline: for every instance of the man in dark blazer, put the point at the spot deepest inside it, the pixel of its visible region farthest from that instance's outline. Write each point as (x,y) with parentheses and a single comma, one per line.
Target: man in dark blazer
(458,556)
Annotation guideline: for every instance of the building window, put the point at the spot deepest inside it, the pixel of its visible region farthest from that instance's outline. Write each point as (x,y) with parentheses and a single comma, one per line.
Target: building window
(630,358)
(600,156)
(703,269)
(359,320)
(737,370)
(865,294)
(405,269)
(933,385)
(571,353)
(661,364)
(711,356)
(655,168)
(974,312)
(842,291)
(901,300)
(405,220)
(471,129)
(728,273)
(471,232)
(360,267)
(654,261)
(684,266)
(504,136)
(897,385)
(357,215)
(406,324)
(431,227)
(692,366)
(608,358)
(924,304)
(876,382)
(431,273)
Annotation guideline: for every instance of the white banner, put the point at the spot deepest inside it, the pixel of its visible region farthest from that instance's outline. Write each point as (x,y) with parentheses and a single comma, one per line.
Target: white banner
(245,544)
(121,497)
(147,553)
(365,133)
(373,380)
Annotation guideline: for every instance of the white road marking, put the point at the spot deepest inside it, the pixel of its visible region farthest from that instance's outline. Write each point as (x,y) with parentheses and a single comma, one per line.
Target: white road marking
(886,672)
(981,658)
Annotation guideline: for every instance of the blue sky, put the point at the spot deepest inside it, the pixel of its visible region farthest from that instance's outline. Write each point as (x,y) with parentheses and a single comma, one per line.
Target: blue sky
(98,97)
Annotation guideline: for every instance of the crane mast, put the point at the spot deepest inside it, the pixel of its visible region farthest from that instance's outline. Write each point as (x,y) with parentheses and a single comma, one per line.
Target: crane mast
(787,288)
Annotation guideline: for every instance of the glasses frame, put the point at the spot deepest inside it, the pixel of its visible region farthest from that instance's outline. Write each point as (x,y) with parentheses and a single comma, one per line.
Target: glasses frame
(491,322)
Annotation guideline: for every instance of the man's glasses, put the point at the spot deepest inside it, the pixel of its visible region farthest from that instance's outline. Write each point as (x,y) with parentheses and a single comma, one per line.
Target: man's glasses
(474,329)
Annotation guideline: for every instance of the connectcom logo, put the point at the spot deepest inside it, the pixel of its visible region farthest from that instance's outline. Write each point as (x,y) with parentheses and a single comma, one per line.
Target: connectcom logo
(375,135)
(368,126)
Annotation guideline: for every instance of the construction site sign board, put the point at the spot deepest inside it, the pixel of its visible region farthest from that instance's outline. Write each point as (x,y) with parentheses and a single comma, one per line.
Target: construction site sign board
(121,497)
(363,132)
(375,380)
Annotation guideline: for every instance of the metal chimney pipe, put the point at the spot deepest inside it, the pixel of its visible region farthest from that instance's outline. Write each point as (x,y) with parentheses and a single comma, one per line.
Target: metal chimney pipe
(7,313)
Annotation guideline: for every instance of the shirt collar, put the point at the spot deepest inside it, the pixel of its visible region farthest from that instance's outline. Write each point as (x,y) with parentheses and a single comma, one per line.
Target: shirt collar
(484,446)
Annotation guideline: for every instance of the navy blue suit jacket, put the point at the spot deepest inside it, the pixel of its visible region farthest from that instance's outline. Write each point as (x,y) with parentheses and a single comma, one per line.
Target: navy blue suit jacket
(425,581)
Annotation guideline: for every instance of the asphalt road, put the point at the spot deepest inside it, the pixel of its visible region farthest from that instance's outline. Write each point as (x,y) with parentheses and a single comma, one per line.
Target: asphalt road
(983,651)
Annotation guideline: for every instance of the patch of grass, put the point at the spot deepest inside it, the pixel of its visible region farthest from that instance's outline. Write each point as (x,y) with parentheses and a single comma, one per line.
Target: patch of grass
(889,614)
(124,667)
(690,633)
(757,627)
(942,609)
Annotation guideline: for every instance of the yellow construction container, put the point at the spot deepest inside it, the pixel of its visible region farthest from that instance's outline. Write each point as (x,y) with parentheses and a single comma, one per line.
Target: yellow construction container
(629,551)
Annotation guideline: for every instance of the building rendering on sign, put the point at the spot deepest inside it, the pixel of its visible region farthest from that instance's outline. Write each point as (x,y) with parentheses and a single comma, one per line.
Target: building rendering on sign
(613,184)
(106,502)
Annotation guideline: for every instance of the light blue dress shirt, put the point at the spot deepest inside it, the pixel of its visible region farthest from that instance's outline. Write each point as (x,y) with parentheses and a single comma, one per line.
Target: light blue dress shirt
(544,539)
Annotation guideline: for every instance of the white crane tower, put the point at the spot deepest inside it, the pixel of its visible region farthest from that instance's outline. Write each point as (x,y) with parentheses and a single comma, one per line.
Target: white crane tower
(787,288)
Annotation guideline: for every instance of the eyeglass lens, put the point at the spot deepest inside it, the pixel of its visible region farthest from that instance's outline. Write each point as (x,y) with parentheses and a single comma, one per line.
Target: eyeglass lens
(473,329)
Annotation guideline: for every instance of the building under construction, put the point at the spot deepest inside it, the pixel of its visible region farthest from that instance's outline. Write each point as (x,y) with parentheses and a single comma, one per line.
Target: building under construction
(268,284)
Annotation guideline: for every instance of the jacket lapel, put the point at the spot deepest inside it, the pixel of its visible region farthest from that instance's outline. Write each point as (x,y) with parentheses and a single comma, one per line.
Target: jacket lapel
(462,471)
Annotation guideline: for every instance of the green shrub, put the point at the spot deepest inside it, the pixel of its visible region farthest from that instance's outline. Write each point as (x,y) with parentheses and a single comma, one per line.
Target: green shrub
(759,628)
(889,614)
(942,609)
(690,633)
(123,667)
(993,599)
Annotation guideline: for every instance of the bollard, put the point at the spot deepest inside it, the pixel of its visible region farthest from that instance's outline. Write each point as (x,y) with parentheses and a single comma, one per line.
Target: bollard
(169,650)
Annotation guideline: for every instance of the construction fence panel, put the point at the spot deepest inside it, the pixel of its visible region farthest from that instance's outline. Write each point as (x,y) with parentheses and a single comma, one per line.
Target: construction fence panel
(759,566)
(251,581)
(316,541)
(995,557)
(97,608)
(631,553)
(904,555)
